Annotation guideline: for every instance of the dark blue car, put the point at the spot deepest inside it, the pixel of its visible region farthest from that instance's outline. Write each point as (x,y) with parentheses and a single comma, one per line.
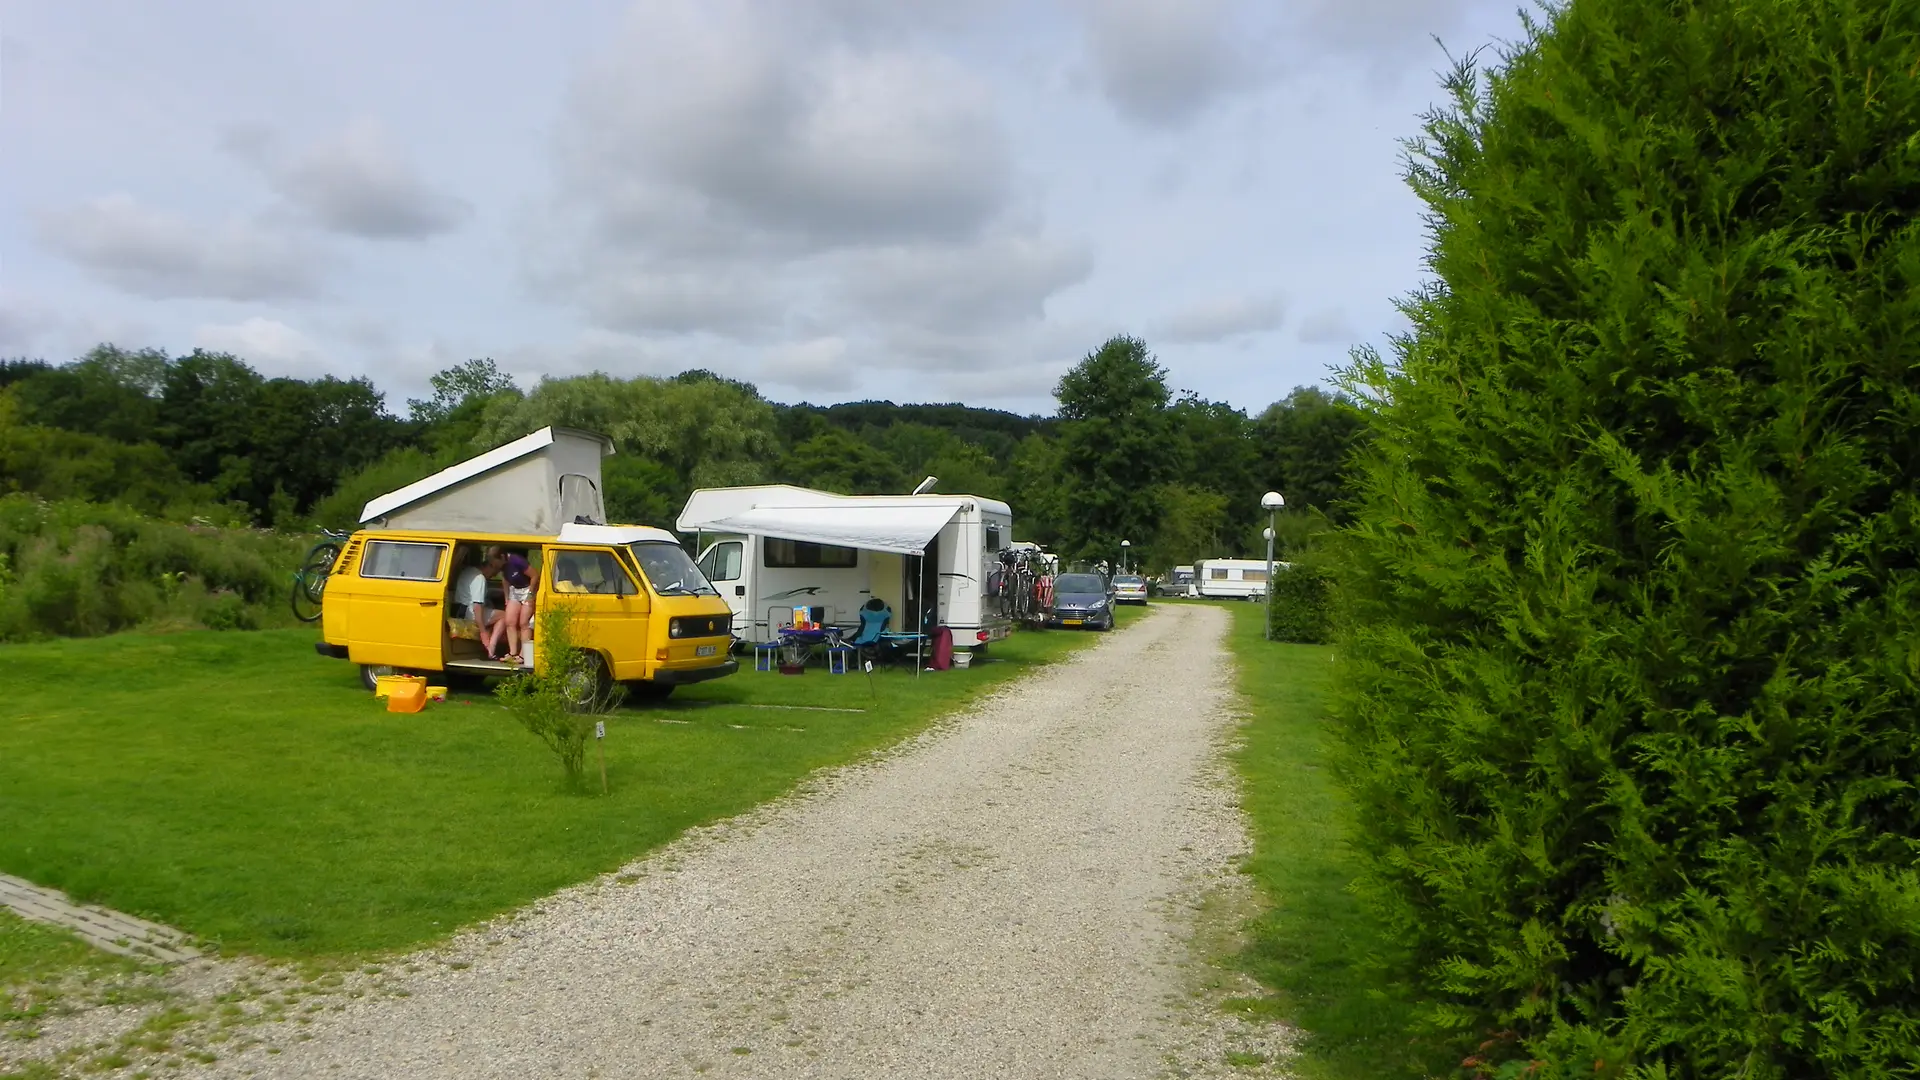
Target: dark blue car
(1081,600)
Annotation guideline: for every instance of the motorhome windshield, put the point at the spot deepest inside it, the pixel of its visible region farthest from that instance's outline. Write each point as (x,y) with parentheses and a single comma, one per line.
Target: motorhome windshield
(671,569)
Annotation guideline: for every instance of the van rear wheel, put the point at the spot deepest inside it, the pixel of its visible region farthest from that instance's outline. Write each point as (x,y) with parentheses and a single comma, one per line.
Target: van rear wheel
(371,674)
(587,684)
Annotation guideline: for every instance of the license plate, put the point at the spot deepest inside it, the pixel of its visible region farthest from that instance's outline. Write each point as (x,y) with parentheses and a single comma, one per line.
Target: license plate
(1071,622)
(705,650)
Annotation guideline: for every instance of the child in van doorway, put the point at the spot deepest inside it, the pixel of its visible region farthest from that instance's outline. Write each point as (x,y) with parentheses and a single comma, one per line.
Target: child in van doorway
(517,624)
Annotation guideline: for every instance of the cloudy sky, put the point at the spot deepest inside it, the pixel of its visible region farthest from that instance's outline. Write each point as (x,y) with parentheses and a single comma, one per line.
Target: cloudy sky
(923,200)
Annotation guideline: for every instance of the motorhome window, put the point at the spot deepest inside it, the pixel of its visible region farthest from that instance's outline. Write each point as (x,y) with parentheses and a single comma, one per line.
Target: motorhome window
(590,572)
(1253,575)
(722,562)
(1217,573)
(993,537)
(671,570)
(801,555)
(405,562)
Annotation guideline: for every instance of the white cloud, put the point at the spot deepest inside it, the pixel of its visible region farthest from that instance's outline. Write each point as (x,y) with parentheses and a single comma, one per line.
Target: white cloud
(163,256)
(24,323)
(268,345)
(820,365)
(1162,62)
(355,182)
(1002,279)
(1223,317)
(706,120)
(1385,27)
(1328,326)
(777,177)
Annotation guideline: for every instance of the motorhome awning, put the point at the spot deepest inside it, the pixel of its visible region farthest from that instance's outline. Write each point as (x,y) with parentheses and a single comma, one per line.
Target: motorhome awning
(903,530)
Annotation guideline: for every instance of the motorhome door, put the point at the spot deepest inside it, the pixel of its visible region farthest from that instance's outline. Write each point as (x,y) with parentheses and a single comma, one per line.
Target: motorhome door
(724,563)
(922,583)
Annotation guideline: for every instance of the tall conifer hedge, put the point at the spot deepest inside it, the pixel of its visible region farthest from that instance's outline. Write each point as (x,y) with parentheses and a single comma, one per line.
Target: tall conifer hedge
(1629,693)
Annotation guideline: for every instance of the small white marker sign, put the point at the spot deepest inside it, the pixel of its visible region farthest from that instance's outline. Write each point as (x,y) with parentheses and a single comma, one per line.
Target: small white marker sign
(599,729)
(869,666)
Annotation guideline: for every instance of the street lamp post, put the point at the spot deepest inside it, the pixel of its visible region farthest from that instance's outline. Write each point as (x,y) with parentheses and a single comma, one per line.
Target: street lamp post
(1271,502)
(1124,545)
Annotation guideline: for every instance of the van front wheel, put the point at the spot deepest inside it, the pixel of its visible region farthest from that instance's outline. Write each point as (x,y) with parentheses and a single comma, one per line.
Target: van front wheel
(371,674)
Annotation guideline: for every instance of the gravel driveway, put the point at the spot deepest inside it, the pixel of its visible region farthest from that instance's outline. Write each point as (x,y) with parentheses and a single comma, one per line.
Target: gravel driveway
(1010,895)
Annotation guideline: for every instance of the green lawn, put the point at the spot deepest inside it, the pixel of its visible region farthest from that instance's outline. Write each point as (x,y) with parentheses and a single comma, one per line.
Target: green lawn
(1315,944)
(242,788)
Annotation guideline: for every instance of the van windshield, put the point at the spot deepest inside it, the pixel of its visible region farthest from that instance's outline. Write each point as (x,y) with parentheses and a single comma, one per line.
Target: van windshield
(671,569)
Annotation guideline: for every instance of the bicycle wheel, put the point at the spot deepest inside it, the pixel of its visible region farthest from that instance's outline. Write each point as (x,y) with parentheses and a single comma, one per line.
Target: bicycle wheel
(310,581)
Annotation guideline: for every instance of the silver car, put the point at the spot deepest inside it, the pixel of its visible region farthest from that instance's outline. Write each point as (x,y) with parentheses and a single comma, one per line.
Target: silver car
(1129,589)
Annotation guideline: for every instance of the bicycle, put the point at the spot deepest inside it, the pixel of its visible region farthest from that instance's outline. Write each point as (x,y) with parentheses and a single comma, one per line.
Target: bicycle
(310,581)
(1021,587)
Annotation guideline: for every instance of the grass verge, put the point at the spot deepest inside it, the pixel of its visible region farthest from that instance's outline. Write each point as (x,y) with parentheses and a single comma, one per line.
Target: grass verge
(1316,946)
(41,965)
(241,788)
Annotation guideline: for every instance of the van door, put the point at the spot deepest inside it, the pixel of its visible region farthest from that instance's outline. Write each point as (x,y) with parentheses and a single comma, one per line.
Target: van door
(610,609)
(397,613)
(724,563)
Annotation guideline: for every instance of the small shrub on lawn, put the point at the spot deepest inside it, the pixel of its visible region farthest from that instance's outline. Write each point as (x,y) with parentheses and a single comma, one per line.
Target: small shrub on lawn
(560,705)
(1628,676)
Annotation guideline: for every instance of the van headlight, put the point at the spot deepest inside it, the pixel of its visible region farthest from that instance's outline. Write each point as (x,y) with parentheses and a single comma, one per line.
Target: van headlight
(673,628)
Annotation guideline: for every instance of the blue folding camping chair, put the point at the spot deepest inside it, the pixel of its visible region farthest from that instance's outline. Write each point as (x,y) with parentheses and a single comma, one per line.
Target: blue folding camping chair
(875,617)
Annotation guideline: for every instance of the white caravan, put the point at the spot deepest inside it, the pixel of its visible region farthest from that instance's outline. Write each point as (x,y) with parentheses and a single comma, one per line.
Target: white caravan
(1232,579)
(772,548)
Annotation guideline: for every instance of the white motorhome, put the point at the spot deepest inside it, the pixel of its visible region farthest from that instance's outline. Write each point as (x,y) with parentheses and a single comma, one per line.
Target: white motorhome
(1046,558)
(772,548)
(1232,579)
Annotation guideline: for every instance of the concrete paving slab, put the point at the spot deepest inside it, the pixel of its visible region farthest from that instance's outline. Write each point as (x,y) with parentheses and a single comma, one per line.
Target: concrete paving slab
(103,928)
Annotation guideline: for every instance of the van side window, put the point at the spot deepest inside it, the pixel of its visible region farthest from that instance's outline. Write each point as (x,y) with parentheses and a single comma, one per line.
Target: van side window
(722,563)
(993,537)
(403,561)
(590,572)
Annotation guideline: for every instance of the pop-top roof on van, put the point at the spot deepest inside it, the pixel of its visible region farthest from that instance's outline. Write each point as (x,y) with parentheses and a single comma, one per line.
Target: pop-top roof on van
(532,486)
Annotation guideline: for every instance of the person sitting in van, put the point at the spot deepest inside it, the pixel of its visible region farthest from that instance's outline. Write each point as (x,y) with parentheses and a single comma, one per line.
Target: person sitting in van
(567,576)
(470,596)
(516,624)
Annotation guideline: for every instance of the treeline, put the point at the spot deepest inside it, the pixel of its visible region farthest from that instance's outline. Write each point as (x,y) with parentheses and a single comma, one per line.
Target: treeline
(203,441)
(204,435)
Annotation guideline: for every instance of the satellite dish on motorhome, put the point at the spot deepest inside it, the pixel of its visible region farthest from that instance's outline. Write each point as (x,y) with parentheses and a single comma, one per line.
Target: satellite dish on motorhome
(926,485)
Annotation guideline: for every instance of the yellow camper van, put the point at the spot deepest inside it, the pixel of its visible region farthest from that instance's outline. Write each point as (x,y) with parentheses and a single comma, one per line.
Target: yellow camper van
(640,605)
